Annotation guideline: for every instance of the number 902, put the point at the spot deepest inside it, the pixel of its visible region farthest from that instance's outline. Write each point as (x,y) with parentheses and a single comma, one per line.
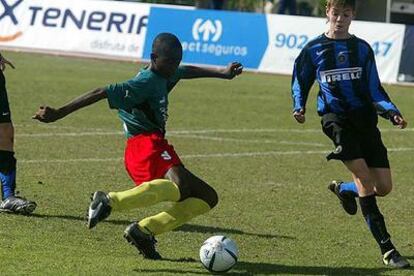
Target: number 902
(290,41)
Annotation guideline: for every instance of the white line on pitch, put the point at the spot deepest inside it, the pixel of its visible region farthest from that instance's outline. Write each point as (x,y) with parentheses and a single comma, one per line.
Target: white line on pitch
(256,141)
(195,156)
(70,134)
(219,139)
(99,132)
(270,130)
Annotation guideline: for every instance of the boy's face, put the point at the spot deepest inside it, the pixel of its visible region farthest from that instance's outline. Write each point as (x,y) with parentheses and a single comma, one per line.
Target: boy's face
(167,63)
(340,18)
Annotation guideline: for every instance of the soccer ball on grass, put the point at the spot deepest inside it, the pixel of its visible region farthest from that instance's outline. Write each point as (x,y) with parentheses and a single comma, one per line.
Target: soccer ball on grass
(218,254)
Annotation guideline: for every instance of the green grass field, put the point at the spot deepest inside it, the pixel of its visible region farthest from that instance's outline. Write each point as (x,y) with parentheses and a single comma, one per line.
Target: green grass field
(270,173)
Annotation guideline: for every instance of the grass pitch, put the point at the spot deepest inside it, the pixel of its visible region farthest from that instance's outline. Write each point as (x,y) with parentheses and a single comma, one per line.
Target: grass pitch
(270,173)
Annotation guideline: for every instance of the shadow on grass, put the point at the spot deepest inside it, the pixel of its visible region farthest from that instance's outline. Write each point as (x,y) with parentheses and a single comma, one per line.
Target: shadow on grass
(216,230)
(192,228)
(68,217)
(247,268)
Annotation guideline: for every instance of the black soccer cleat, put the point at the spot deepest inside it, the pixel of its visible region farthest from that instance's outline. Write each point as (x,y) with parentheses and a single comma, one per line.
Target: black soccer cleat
(17,205)
(394,259)
(347,199)
(99,209)
(145,243)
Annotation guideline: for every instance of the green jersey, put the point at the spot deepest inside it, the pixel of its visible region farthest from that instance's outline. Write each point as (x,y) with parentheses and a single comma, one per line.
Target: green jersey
(142,101)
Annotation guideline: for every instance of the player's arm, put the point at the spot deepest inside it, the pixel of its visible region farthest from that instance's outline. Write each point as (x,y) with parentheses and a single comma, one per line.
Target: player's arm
(303,78)
(4,62)
(232,70)
(49,114)
(380,98)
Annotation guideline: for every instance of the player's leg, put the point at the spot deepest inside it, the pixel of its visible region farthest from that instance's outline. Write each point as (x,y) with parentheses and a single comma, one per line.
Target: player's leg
(10,202)
(147,158)
(375,220)
(346,193)
(373,217)
(376,157)
(346,148)
(197,198)
(383,186)
(6,134)
(146,194)
(383,181)
(7,161)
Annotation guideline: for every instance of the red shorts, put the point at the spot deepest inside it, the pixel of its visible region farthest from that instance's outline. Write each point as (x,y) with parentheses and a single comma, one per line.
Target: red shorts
(148,156)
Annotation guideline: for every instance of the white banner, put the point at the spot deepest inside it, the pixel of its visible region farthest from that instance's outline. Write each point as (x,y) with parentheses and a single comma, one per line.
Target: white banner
(77,26)
(387,42)
(289,34)
(118,29)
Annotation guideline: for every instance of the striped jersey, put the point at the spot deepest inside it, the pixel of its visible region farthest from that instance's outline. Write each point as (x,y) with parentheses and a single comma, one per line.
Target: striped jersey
(347,75)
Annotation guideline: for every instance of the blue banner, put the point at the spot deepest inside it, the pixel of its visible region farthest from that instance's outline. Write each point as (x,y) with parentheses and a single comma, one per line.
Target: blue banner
(211,37)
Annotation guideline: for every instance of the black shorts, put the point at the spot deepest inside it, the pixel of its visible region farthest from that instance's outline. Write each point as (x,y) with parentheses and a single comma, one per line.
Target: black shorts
(5,116)
(356,136)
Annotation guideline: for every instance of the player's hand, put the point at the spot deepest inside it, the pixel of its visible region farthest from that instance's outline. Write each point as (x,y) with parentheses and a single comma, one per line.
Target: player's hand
(399,121)
(232,70)
(299,116)
(4,62)
(47,114)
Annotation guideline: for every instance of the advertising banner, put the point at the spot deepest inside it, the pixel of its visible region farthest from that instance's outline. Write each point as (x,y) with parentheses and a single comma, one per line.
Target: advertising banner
(76,26)
(387,41)
(289,34)
(125,30)
(211,37)
(287,37)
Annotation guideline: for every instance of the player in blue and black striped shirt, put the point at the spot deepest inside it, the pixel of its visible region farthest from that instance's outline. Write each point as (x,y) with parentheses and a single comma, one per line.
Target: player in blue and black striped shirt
(350,97)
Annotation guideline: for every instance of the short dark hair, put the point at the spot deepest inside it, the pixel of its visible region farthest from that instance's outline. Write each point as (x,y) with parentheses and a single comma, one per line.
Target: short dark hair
(343,3)
(165,43)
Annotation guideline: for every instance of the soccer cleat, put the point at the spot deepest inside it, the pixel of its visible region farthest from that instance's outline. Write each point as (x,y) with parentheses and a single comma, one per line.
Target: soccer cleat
(347,200)
(393,259)
(17,205)
(99,209)
(145,243)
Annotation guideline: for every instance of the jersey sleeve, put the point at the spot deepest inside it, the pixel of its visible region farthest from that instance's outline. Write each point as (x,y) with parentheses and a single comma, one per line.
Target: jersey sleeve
(380,98)
(126,95)
(303,77)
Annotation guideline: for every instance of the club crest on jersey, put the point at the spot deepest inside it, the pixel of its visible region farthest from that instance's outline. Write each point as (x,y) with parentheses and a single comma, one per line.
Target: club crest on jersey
(341,58)
(344,74)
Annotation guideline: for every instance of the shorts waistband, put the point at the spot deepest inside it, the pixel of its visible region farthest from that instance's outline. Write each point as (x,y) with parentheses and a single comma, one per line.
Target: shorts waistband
(153,134)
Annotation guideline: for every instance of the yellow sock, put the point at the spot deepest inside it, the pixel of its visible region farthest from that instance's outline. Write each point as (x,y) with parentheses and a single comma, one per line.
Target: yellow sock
(179,214)
(146,194)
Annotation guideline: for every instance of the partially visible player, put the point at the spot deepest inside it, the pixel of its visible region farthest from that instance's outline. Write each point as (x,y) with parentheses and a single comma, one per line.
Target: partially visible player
(152,163)
(10,201)
(349,99)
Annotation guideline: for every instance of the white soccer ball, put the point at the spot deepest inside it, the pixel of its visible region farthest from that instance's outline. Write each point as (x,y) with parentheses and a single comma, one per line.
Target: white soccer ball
(219,254)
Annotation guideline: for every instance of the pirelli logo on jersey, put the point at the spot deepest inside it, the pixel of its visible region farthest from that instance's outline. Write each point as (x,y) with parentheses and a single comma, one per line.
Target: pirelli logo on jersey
(344,74)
